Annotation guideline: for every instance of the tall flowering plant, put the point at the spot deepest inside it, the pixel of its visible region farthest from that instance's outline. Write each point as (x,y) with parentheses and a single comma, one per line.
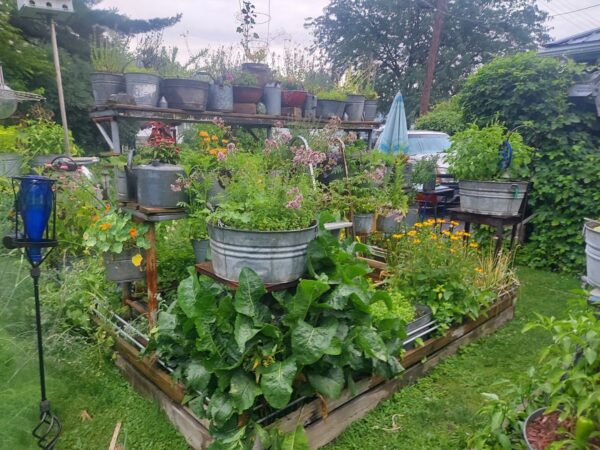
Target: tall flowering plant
(161,146)
(434,264)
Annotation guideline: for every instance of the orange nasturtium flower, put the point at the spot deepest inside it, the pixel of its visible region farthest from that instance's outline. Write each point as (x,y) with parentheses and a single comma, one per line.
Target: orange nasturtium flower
(95,218)
(203,134)
(224,141)
(215,138)
(105,226)
(107,207)
(133,233)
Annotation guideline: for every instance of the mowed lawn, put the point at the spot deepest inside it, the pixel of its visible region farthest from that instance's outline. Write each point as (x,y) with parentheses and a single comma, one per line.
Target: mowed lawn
(90,397)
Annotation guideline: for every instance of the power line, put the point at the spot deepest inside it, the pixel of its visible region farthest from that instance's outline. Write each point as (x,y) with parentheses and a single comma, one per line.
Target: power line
(576,10)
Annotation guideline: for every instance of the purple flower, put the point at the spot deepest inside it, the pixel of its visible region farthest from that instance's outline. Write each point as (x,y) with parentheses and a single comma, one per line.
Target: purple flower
(231,147)
(176,187)
(307,157)
(293,191)
(221,156)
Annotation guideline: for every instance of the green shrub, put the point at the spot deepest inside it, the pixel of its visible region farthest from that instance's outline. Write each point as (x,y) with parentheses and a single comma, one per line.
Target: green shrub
(446,116)
(526,88)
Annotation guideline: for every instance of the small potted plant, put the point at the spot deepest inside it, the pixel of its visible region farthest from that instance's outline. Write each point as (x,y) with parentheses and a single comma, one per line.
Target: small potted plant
(424,173)
(490,165)
(220,94)
(293,94)
(158,173)
(121,242)
(11,159)
(331,103)
(109,59)
(393,209)
(42,141)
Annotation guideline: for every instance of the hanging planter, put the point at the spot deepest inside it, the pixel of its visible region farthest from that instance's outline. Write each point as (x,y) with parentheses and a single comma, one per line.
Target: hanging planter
(276,256)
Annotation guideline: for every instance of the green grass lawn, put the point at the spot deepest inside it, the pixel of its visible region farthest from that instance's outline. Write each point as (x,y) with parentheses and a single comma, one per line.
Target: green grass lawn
(435,413)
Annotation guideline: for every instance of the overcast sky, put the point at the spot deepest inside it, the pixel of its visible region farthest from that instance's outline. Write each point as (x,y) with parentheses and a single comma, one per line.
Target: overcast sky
(213,22)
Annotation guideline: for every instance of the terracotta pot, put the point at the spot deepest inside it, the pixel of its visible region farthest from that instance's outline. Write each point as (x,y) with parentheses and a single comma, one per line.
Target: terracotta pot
(247,94)
(293,99)
(259,70)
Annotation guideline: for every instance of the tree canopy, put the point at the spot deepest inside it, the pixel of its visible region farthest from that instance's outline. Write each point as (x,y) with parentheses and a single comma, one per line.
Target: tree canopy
(395,34)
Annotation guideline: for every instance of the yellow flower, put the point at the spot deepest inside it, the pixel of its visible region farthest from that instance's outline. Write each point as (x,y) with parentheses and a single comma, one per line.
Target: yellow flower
(105,226)
(478,270)
(418,225)
(454,223)
(215,138)
(433,236)
(455,238)
(473,245)
(137,260)
(464,233)
(397,236)
(452,250)
(224,141)
(203,134)
(446,233)
(440,221)
(417,241)
(206,139)
(411,233)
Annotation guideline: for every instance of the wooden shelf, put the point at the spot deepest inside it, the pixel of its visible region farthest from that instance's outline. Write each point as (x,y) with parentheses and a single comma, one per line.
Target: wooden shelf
(206,268)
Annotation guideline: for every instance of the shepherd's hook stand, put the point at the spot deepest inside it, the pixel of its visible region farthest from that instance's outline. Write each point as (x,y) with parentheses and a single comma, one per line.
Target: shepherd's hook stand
(48,429)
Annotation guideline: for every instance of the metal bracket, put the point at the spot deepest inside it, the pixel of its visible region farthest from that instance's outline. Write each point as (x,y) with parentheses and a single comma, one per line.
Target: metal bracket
(114,140)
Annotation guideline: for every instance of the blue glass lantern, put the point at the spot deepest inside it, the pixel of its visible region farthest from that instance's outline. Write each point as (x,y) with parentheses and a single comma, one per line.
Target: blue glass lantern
(35,205)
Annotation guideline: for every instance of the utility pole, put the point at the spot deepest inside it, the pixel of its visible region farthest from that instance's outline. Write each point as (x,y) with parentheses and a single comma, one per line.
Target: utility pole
(434,48)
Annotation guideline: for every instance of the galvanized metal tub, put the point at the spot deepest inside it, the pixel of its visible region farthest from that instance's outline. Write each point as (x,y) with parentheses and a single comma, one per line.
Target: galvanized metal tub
(154,185)
(592,253)
(496,198)
(276,256)
(143,87)
(390,223)
(364,223)
(185,93)
(10,164)
(220,97)
(310,107)
(200,247)
(327,109)
(119,267)
(272,100)
(105,84)
(370,110)
(355,105)
(533,416)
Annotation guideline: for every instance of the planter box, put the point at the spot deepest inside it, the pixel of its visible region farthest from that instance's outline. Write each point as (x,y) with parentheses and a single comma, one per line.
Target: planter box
(149,378)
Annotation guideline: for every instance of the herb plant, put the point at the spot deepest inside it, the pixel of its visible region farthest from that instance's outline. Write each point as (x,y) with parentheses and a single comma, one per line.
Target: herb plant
(245,79)
(114,232)
(424,170)
(475,154)
(237,351)
(110,54)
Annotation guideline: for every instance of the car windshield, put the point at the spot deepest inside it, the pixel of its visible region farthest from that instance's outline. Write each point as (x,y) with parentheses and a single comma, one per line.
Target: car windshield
(426,144)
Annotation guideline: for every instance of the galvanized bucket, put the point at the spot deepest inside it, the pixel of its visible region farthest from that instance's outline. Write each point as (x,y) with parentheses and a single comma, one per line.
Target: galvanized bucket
(364,223)
(154,185)
(592,252)
(495,198)
(276,256)
(10,164)
(370,110)
(220,97)
(105,84)
(355,105)
(272,100)
(143,87)
(326,109)
(310,107)
(119,267)
(200,249)
(534,415)
(390,223)
(185,93)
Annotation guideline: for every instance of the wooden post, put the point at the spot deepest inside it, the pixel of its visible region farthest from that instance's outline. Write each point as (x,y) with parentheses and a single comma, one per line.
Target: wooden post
(151,274)
(434,48)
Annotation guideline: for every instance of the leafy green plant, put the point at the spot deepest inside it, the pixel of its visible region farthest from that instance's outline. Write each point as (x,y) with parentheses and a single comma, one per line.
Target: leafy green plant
(475,154)
(8,139)
(114,232)
(251,348)
(394,193)
(245,79)
(332,94)
(160,146)
(424,170)
(110,54)
(43,137)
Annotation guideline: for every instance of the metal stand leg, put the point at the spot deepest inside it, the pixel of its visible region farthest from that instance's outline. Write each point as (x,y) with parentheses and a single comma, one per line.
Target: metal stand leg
(48,429)
(151,274)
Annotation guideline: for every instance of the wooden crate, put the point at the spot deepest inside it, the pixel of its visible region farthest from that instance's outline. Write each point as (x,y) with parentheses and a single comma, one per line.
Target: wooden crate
(147,378)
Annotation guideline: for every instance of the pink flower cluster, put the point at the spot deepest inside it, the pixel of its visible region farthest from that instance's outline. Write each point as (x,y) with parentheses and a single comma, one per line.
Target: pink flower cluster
(307,157)
(218,121)
(378,174)
(270,145)
(296,202)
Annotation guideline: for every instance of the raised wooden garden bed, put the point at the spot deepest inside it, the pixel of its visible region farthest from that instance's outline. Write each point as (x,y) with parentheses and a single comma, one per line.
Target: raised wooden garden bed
(323,421)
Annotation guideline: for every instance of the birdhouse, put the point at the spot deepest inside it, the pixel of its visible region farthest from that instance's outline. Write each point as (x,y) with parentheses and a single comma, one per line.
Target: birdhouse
(59,9)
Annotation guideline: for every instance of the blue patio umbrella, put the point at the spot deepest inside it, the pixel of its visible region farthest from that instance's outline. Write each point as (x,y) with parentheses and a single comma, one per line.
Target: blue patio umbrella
(394,138)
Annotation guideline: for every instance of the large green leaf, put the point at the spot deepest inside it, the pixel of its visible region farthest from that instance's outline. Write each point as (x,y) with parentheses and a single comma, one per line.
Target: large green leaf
(371,343)
(276,382)
(247,297)
(186,297)
(310,343)
(296,440)
(197,299)
(220,408)
(244,331)
(243,390)
(306,293)
(330,383)
(197,376)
